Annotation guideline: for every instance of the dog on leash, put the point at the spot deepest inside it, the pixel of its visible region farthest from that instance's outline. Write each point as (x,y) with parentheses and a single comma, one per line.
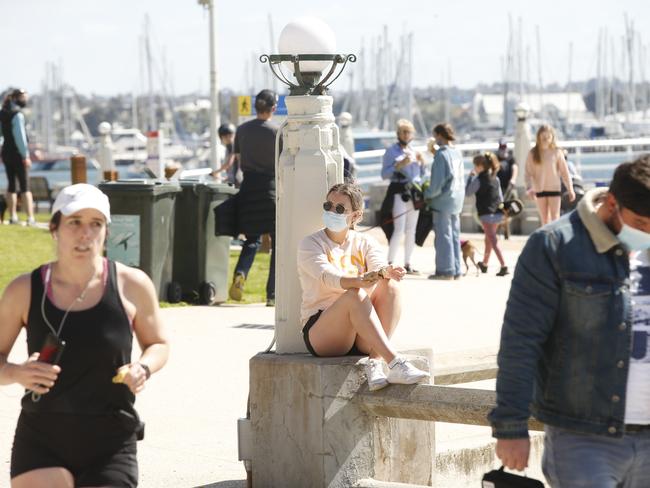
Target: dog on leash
(469,252)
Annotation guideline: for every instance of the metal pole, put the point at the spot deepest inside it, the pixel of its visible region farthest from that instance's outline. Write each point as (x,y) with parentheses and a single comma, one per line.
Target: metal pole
(153,125)
(215,118)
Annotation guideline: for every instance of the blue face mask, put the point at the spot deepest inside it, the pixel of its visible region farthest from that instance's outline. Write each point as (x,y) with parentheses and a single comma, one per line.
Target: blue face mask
(335,222)
(633,239)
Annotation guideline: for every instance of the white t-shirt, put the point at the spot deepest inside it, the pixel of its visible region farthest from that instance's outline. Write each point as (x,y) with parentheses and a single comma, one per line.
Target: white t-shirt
(322,263)
(637,406)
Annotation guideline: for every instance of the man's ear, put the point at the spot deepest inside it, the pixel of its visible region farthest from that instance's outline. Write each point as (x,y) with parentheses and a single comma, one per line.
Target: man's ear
(610,202)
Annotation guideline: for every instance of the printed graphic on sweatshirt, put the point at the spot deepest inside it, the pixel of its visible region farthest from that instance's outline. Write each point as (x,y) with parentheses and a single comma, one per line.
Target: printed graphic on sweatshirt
(351,264)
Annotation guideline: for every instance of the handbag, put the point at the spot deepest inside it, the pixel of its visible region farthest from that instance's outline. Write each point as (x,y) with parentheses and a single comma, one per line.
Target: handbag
(498,478)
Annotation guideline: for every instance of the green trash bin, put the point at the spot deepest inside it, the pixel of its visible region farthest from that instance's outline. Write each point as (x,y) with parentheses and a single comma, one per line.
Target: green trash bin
(142,229)
(201,258)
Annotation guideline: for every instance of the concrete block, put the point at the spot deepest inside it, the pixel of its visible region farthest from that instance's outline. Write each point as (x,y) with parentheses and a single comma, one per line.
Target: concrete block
(309,430)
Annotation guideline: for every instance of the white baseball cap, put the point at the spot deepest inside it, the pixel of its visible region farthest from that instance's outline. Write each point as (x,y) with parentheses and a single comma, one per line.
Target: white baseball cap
(80,196)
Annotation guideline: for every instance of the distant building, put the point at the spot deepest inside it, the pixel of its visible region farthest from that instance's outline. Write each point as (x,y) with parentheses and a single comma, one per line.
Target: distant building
(487,109)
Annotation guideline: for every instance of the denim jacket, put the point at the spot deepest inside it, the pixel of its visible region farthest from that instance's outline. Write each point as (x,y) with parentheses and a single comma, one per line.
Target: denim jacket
(566,336)
(446,192)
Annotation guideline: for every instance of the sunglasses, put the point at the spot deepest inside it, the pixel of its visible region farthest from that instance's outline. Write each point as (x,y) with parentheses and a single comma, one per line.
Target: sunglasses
(339,209)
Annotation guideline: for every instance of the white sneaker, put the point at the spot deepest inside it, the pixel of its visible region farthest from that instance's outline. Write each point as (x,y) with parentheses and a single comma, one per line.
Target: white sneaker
(404,373)
(375,374)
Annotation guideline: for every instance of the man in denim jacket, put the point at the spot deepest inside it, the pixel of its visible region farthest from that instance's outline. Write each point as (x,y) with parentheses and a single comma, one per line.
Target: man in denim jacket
(574,343)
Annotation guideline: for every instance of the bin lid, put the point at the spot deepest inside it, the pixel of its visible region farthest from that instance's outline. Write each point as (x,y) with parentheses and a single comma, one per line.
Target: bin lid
(140,185)
(209,186)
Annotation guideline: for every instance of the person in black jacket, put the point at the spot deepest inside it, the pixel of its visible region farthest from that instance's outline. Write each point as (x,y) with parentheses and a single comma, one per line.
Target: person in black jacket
(15,154)
(255,150)
(483,181)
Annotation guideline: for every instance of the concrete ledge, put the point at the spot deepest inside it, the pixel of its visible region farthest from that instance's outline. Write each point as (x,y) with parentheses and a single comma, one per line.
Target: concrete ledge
(434,403)
(309,430)
(465,374)
(467,366)
(370,483)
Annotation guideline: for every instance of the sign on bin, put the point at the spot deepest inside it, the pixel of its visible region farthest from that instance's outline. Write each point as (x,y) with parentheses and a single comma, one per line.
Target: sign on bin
(124,240)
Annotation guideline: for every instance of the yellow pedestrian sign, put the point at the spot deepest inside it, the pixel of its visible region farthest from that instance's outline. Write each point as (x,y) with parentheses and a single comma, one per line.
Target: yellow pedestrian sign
(244,104)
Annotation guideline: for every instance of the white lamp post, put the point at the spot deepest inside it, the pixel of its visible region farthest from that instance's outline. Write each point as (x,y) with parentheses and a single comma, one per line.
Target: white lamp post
(522,140)
(310,162)
(304,428)
(105,151)
(215,117)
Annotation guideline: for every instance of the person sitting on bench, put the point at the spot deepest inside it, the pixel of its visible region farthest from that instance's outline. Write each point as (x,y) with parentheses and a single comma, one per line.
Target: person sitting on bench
(350,300)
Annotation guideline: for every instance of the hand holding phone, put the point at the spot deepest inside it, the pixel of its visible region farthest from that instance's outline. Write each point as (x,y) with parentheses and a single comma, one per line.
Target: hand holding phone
(51,350)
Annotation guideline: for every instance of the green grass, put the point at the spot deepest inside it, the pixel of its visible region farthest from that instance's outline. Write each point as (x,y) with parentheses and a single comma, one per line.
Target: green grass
(21,250)
(255,288)
(24,248)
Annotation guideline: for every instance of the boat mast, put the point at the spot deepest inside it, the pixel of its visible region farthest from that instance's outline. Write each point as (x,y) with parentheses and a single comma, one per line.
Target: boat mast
(539,72)
(274,80)
(568,86)
(630,38)
(506,68)
(147,47)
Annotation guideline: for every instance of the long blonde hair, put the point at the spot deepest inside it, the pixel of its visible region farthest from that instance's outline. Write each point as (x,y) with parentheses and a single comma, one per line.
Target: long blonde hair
(537,156)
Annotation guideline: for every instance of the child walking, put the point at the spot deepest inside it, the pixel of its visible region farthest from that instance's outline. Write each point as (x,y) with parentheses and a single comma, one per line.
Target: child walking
(483,182)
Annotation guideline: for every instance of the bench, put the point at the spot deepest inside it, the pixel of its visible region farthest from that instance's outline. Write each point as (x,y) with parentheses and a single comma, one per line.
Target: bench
(41,191)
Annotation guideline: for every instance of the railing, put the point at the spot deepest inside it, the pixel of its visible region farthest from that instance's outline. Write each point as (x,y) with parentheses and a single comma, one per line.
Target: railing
(586,154)
(434,403)
(437,403)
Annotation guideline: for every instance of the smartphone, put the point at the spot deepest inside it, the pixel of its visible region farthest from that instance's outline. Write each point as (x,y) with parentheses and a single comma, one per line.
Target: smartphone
(52,349)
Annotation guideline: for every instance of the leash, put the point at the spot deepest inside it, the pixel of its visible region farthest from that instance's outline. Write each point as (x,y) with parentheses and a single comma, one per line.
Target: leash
(417,206)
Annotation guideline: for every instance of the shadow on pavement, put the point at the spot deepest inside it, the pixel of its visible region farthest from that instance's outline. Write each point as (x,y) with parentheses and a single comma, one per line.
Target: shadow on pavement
(225,484)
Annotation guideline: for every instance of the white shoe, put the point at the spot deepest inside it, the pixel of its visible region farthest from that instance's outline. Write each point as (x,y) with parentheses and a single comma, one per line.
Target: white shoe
(375,374)
(404,373)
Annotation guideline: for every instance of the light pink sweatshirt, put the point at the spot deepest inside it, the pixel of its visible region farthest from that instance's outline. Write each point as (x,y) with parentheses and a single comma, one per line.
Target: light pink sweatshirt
(546,176)
(322,263)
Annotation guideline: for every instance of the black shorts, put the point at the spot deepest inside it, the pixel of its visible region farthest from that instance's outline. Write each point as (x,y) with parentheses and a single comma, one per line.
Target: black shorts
(97,450)
(546,194)
(16,170)
(354,351)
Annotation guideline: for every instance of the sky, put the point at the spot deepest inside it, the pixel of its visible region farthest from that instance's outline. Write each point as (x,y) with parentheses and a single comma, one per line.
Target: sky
(96,44)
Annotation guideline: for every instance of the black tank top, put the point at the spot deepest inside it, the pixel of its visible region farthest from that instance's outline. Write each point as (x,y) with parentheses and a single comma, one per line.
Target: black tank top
(98,341)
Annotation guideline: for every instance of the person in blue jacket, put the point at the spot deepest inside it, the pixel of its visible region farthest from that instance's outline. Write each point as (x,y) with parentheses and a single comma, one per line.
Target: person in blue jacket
(445,197)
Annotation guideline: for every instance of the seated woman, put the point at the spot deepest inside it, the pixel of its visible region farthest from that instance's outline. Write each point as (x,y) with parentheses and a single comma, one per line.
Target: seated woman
(350,302)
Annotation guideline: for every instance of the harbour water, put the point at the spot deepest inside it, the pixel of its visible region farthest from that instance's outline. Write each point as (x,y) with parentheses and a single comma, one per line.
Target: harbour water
(596,168)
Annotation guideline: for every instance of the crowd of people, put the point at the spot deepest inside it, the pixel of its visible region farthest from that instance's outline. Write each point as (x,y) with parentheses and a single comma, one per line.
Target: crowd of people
(574,342)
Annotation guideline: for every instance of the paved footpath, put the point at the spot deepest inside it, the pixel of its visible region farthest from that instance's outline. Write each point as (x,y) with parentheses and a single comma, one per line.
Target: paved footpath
(192,405)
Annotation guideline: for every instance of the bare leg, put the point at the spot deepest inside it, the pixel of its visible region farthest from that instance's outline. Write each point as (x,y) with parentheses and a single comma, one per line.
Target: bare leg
(28,203)
(542,207)
(554,204)
(488,244)
(388,306)
(44,478)
(12,202)
(336,330)
(491,234)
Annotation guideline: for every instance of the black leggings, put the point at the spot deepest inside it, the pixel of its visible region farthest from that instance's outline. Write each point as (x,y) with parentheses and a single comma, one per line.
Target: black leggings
(16,170)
